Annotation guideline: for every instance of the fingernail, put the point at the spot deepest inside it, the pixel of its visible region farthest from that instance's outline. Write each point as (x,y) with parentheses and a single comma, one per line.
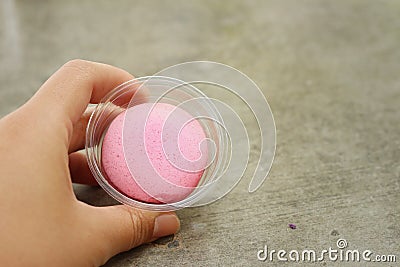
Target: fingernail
(166,224)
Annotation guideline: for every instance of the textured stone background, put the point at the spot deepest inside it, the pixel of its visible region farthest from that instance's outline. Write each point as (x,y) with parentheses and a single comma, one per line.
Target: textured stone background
(330,71)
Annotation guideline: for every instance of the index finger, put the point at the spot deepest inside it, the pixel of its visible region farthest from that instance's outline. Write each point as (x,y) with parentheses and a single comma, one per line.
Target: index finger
(66,94)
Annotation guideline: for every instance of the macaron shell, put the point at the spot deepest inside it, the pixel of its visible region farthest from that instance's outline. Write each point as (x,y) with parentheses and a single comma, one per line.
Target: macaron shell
(151,153)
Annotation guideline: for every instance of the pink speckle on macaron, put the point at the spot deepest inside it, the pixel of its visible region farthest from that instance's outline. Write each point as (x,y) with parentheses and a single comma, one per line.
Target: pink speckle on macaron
(153,153)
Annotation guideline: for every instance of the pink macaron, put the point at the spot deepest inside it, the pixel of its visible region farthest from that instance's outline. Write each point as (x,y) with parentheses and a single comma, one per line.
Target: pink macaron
(154,153)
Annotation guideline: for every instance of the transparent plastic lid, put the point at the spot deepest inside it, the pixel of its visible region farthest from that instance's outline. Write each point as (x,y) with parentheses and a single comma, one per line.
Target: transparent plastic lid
(193,100)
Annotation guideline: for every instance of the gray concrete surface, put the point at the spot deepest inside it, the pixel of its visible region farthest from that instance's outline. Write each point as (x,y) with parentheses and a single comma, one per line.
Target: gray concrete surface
(330,71)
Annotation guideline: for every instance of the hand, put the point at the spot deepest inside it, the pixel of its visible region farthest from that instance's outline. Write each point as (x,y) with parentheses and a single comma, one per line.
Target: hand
(42,223)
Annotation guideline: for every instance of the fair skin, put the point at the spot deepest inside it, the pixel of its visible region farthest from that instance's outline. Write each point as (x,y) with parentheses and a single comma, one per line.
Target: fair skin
(42,222)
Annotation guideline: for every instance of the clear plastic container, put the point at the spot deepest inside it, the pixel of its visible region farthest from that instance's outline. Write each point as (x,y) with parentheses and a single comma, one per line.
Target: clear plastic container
(232,110)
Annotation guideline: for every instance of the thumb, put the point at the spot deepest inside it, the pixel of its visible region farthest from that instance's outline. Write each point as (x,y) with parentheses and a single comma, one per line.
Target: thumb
(121,228)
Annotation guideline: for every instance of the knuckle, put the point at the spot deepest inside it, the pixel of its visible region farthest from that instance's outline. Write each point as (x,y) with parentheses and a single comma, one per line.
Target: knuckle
(141,231)
(75,63)
(78,66)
